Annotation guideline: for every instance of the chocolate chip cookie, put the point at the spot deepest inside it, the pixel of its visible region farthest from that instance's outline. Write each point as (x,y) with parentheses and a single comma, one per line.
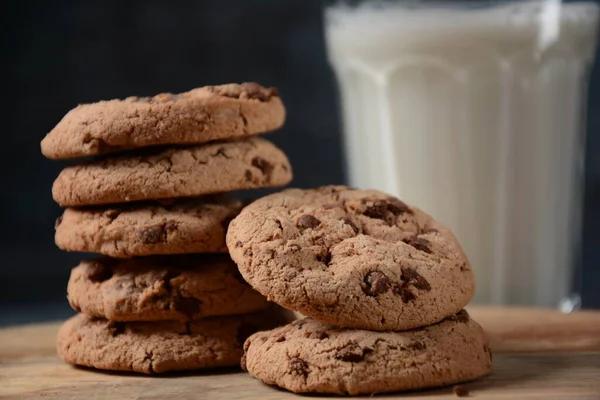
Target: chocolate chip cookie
(161,288)
(310,356)
(354,258)
(198,116)
(155,347)
(174,172)
(141,229)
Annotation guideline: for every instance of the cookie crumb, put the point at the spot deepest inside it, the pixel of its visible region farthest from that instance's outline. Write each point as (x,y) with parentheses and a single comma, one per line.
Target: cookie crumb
(460,391)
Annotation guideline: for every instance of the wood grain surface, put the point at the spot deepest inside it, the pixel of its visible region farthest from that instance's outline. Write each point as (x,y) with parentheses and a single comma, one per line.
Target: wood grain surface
(539,354)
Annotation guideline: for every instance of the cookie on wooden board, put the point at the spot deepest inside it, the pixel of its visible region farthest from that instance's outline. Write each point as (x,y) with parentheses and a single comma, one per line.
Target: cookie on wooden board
(156,347)
(310,356)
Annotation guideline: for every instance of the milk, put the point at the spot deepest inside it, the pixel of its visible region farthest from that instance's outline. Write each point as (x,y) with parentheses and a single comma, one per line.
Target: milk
(477,117)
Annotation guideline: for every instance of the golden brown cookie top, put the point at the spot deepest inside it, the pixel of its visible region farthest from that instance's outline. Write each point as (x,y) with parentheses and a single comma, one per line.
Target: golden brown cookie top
(354,258)
(201,115)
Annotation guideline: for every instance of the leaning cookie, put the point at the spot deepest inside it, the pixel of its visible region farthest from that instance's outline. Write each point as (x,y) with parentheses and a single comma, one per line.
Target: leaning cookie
(173,173)
(161,346)
(353,258)
(202,115)
(141,229)
(157,288)
(310,356)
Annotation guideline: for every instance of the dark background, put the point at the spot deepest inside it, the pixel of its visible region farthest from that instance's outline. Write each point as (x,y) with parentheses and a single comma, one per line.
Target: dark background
(60,53)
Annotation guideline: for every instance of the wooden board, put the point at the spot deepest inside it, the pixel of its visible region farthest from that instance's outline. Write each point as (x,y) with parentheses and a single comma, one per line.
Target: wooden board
(30,369)
(530,329)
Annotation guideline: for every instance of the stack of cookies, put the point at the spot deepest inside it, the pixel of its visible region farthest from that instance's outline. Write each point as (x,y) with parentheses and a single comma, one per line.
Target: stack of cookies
(383,286)
(166,295)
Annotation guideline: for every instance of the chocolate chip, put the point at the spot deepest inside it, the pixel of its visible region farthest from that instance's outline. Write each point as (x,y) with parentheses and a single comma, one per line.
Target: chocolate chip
(265,167)
(461,391)
(376,283)
(248,252)
(86,138)
(307,221)
(350,353)
(405,293)
(321,335)
(348,221)
(278,223)
(98,272)
(324,256)
(280,339)
(419,244)
(298,367)
(116,328)
(58,222)
(410,275)
(187,306)
(397,207)
(152,234)
(421,283)
(245,331)
(248,175)
(239,244)
(462,316)
(377,210)
(416,346)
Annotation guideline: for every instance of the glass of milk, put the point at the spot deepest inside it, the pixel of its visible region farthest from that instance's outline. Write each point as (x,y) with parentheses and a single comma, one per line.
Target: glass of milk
(475,112)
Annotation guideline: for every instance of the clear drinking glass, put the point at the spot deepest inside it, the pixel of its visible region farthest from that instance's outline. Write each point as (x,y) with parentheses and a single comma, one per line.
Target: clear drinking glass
(474,111)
